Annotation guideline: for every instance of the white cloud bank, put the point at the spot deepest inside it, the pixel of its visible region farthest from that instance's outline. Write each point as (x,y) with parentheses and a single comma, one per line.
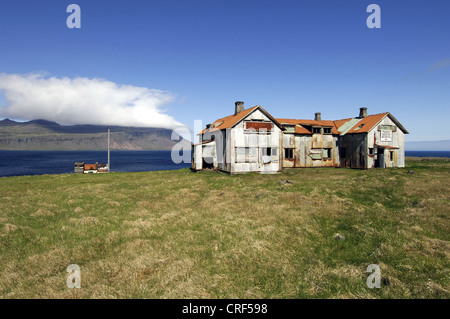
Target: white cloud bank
(83,101)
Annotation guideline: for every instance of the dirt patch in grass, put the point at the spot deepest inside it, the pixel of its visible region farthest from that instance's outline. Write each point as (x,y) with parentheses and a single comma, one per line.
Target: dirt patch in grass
(84,221)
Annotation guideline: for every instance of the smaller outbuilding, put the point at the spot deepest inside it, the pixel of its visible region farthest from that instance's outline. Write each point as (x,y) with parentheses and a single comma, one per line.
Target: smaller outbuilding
(90,168)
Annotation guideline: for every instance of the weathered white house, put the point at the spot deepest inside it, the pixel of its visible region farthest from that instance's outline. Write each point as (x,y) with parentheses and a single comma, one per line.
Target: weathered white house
(247,141)
(253,141)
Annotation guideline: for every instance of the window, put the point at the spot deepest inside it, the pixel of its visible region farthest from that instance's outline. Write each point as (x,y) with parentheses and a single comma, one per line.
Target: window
(371,151)
(241,154)
(326,153)
(246,154)
(269,151)
(327,130)
(316,130)
(392,155)
(289,153)
(289,128)
(274,152)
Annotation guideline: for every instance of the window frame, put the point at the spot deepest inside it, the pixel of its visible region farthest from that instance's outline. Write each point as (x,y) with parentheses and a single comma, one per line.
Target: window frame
(290,151)
(325,129)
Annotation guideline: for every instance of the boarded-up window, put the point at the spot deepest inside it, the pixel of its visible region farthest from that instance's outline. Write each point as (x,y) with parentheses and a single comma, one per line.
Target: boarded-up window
(289,128)
(241,155)
(315,155)
(252,154)
(246,154)
(258,126)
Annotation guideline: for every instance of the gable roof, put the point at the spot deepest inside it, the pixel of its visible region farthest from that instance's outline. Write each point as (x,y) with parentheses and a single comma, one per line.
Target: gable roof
(345,126)
(232,120)
(360,125)
(339,127)
(365,124)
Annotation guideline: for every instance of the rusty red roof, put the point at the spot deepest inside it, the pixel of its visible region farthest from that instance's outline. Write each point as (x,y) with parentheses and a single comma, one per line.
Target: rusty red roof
(302,126)
(89,167)
(230,121)
(367,123)
(204,142)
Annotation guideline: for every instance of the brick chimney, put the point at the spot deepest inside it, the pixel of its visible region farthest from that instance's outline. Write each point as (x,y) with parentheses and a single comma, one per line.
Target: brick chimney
(362,112)
(317,117)
(238,107)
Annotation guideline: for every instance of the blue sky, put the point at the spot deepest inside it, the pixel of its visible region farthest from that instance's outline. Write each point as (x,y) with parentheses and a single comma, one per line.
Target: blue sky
(294,58)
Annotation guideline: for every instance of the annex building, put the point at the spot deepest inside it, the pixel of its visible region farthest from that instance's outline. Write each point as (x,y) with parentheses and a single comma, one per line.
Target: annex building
(252,140)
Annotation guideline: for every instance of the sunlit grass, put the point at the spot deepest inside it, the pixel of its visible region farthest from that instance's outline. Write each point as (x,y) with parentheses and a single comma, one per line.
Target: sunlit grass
(178,234)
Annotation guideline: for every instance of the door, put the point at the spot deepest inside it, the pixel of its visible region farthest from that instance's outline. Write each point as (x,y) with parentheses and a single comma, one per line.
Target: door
(381,161)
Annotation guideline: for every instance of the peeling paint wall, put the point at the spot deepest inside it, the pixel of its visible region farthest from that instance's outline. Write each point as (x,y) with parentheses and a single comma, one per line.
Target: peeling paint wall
(245,141)
(242,150)
(374,141)
(311,150)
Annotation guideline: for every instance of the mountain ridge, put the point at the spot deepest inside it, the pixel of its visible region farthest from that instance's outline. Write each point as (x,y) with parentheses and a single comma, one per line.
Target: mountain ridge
(42,134)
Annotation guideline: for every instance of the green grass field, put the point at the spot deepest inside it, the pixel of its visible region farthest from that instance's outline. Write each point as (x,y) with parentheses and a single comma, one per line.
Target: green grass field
(178,234)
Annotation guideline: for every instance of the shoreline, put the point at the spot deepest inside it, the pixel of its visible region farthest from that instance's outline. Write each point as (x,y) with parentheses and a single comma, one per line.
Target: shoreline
(416,158)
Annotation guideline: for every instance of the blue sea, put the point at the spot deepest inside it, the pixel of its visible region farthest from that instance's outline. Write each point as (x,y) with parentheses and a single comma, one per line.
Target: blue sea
(428,153)
(17,163)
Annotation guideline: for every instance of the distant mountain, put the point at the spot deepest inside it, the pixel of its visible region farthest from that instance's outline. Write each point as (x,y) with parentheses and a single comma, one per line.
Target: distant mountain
(443,145)
(7,122)
(47,135)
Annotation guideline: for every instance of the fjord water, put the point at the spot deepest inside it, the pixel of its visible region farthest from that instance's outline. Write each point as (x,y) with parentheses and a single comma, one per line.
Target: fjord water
(428,153)
(18,163)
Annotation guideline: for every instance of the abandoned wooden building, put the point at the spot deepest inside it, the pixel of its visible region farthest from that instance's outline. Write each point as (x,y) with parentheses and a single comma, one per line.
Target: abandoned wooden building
(81,167)
(253,140)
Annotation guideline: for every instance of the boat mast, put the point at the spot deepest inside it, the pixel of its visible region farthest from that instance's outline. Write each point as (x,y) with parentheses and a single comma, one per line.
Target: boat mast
(108,150)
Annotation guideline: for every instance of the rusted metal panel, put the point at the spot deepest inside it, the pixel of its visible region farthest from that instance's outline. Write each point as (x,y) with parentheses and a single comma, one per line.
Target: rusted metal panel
(328,141)
(395,157)
(317,141)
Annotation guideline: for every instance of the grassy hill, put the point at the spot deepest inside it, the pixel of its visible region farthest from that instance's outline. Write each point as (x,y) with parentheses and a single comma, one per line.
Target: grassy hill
(178,234)
(46,135)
